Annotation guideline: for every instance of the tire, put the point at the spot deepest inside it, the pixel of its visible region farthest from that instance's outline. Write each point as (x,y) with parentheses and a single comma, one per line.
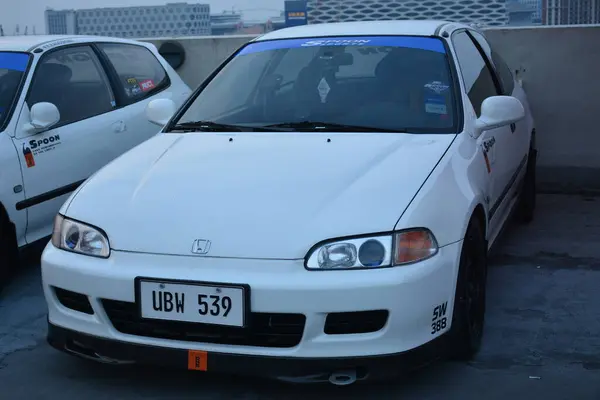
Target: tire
(527,197)
(9,252)
(468,317)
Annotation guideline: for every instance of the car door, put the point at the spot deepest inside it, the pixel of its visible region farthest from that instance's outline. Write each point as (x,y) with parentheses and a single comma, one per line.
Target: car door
(57,160)
(521,131)
(495,144)
(139,78)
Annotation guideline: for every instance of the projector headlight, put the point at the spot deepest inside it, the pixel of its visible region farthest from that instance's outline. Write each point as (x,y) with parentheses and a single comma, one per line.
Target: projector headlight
(78,237)
(376,251)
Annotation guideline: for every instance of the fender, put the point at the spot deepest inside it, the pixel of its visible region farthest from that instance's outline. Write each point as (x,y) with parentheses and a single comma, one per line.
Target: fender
(452,194)
(12,190)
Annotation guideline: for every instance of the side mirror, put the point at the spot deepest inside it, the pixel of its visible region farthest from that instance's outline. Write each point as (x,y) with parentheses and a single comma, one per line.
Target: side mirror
(160,111)
(498,111)
(43,116)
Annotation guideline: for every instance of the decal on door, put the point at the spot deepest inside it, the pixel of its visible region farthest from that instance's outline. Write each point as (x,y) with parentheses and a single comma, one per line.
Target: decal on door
(488,152)
(39,146)
(29,160)
(487,162)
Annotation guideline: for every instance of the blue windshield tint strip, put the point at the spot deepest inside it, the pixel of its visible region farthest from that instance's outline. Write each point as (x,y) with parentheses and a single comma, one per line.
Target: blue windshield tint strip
(415,42)
(14,61)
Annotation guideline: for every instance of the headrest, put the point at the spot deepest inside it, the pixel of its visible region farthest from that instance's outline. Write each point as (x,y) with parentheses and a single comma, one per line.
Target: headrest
(51,72)
(407,62)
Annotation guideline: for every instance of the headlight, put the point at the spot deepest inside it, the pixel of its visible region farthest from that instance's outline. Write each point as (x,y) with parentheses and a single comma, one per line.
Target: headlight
(377,251)
(79,238)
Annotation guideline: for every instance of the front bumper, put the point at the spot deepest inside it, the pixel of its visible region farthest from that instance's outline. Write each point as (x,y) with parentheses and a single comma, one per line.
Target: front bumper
(411,295)
(304,370)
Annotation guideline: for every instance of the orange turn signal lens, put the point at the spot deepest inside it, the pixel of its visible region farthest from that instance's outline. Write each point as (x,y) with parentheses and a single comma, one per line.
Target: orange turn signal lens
(414,245)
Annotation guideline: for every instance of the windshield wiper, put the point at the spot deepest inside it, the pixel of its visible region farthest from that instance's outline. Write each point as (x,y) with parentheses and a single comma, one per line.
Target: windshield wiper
(217,127)
(207,126)
(331,127)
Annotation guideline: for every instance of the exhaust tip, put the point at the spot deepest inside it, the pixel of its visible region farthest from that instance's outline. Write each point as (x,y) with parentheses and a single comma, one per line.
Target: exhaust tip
(343,378)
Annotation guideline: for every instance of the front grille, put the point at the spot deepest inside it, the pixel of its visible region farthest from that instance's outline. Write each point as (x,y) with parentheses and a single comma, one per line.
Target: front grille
(355,322)
(74,301)
(263,330)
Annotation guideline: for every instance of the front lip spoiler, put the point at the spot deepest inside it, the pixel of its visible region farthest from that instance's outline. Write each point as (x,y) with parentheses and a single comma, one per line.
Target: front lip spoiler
(286,369)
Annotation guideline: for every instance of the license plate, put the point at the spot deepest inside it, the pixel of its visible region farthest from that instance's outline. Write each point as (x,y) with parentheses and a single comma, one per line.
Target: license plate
(204,303)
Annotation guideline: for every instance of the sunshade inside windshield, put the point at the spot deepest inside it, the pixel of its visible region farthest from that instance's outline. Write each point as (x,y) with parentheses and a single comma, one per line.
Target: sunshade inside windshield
(14,61)
(414,42)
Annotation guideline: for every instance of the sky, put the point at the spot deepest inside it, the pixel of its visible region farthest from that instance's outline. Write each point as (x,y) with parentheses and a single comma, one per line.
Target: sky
(31,12)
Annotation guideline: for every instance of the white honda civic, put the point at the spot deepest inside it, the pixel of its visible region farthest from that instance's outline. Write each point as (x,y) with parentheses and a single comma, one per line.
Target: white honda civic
(320,209)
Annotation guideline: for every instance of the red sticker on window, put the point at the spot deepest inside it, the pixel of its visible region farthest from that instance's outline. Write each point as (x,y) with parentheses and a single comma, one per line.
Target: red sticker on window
(146,85)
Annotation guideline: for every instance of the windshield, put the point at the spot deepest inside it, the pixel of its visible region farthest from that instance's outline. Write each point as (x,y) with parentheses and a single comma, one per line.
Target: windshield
(12,68)
(381,83)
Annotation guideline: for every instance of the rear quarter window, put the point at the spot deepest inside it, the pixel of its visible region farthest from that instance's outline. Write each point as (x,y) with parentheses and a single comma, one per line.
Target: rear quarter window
(140,73)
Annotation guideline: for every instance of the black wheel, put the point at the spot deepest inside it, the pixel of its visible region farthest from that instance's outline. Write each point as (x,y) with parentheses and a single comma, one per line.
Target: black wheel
(468,316)
(526,206)
(9,252)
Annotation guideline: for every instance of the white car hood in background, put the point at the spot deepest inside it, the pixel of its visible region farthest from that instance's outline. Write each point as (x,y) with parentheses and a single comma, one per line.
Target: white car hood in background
(256,195)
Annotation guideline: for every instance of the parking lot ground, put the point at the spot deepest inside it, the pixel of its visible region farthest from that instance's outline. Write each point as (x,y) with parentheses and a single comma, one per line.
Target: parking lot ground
(542,336)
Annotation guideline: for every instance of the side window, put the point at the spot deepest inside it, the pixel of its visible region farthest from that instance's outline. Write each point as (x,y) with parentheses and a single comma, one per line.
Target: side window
(502,70)
(73,80)
(140,73)
(506,76)
(478,78)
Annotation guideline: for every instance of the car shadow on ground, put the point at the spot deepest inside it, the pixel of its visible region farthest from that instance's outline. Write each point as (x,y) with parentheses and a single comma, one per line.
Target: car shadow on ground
(146,381)
(27,272)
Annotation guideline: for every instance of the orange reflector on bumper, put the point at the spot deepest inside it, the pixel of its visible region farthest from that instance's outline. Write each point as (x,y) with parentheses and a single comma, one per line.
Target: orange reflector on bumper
(197,360)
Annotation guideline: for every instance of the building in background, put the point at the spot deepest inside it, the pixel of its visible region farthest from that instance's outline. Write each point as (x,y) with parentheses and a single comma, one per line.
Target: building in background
(227,23)
(61,22)
(482,12)
(536,5)
(571,12)
(277,23)
(522,13)
(174,19)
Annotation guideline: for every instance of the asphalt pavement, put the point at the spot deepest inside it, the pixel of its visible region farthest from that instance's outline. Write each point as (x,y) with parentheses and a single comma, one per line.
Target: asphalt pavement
(542,338)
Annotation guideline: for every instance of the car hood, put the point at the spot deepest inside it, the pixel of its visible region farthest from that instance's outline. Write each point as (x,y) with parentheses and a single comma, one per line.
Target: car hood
(255,195)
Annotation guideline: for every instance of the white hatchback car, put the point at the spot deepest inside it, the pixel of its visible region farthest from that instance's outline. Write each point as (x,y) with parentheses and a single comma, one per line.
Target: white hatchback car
(321,208)
(68,106)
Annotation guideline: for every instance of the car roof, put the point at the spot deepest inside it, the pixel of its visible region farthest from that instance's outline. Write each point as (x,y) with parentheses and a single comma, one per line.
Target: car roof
(362,28)
(27,43)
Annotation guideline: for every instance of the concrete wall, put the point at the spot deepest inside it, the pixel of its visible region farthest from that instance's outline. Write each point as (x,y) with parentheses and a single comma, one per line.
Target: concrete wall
(204,54)
(559,66)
